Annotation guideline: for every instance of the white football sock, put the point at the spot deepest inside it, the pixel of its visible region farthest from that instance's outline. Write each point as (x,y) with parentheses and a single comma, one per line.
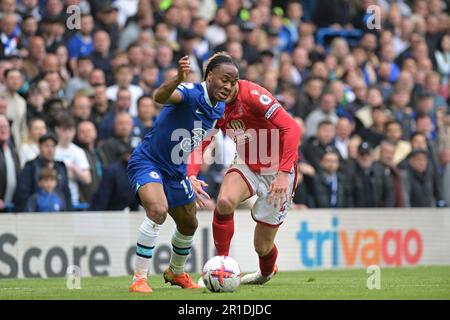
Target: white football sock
(147,236)
(181,247)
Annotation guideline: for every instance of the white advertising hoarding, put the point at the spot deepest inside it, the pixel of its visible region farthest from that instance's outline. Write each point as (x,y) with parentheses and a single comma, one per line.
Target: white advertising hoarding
(100,243)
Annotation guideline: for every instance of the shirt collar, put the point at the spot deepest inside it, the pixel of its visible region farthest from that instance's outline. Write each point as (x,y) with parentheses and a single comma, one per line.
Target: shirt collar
(208,101)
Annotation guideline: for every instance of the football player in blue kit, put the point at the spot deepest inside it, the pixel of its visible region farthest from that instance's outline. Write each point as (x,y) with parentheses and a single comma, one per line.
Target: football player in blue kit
(157,169)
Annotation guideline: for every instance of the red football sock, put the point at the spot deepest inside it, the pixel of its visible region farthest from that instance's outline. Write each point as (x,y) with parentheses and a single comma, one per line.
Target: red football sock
(267,263)
(223,230)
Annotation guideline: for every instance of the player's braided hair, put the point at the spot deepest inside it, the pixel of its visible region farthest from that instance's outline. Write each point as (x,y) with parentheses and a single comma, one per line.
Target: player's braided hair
(216,60)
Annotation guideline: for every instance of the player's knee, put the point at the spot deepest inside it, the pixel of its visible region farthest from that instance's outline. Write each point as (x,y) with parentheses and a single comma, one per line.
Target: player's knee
(225,205)
(156,212)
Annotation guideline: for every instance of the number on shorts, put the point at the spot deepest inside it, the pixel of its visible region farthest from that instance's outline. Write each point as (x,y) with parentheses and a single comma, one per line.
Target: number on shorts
(186,189)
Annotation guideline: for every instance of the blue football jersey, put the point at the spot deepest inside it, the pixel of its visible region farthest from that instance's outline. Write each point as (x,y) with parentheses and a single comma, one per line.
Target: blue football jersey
(179,128)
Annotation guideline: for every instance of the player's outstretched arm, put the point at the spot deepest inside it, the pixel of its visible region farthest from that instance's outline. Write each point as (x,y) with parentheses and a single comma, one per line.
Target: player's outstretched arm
(166,93)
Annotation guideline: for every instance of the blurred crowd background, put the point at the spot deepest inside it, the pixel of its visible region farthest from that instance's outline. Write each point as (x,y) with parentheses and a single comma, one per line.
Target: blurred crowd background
(369,86)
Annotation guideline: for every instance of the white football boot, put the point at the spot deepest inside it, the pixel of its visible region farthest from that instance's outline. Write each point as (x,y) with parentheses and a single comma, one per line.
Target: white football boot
(257,277)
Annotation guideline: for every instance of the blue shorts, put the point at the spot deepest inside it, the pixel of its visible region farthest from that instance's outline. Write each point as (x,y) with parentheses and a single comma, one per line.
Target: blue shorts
(142,170)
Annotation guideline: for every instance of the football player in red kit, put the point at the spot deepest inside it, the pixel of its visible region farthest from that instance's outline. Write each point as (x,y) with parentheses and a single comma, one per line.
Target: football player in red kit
(267,140)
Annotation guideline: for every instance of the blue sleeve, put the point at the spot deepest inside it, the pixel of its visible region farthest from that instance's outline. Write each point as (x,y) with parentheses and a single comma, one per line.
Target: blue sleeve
(187,91)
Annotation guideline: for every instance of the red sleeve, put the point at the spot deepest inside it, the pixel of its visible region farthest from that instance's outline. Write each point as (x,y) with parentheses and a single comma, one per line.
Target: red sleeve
(265,105)
(290,134)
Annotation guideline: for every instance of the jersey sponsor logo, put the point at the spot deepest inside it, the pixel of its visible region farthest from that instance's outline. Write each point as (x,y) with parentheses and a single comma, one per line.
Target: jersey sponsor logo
(271,110)
(198,111)
(265,100)
(189,144)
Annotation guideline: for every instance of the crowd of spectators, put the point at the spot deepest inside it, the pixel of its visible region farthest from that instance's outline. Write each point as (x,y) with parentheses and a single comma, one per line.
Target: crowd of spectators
(370,89)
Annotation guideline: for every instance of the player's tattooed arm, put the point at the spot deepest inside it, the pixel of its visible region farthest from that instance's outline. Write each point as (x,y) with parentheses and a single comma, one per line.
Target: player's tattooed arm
(166,93)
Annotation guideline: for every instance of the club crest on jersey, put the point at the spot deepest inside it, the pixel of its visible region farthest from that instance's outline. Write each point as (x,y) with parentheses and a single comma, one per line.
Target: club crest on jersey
(265,100)
(236,125)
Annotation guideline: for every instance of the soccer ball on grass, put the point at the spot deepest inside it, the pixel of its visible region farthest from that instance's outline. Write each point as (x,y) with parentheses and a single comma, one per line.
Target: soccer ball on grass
(221,274)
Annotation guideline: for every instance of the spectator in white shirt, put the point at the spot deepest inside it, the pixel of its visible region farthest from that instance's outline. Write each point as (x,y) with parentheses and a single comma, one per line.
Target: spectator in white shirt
(73,157)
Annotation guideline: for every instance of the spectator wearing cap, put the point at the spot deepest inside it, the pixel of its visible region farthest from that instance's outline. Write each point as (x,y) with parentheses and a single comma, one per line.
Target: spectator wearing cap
(368,188)
(330,185)
(106,18)
(47,198)
(28,178)
(9,165)
(16,105)
(250,41)
(393,133)
(421,186)
(114,192)
(74,157)
(326,111)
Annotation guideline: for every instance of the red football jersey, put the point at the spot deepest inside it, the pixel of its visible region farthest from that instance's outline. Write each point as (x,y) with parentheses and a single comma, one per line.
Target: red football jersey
(266,136)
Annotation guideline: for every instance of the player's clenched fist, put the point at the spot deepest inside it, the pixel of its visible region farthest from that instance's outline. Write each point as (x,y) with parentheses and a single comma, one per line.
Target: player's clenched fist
(184,67)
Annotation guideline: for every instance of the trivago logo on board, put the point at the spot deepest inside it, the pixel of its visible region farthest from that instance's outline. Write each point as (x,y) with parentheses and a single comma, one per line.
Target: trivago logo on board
(391,247)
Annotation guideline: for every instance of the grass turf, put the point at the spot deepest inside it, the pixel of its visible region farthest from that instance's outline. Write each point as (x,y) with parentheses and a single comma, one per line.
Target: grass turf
(396,283)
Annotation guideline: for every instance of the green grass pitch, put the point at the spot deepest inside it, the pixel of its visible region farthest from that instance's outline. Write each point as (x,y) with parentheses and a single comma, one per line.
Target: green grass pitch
(396,283)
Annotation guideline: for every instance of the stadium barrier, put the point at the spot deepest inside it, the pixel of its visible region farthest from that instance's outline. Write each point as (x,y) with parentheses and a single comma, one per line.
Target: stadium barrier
(102,243)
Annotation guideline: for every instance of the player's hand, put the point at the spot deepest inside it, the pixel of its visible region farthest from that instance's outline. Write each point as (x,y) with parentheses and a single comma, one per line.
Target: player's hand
(184,67)
(279,189)
(200,194)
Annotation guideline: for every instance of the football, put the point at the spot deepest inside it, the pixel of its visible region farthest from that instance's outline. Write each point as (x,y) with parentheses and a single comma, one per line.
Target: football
(221,274)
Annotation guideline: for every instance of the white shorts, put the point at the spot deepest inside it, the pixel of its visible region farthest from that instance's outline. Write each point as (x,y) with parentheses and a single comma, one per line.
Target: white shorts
(263,212)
